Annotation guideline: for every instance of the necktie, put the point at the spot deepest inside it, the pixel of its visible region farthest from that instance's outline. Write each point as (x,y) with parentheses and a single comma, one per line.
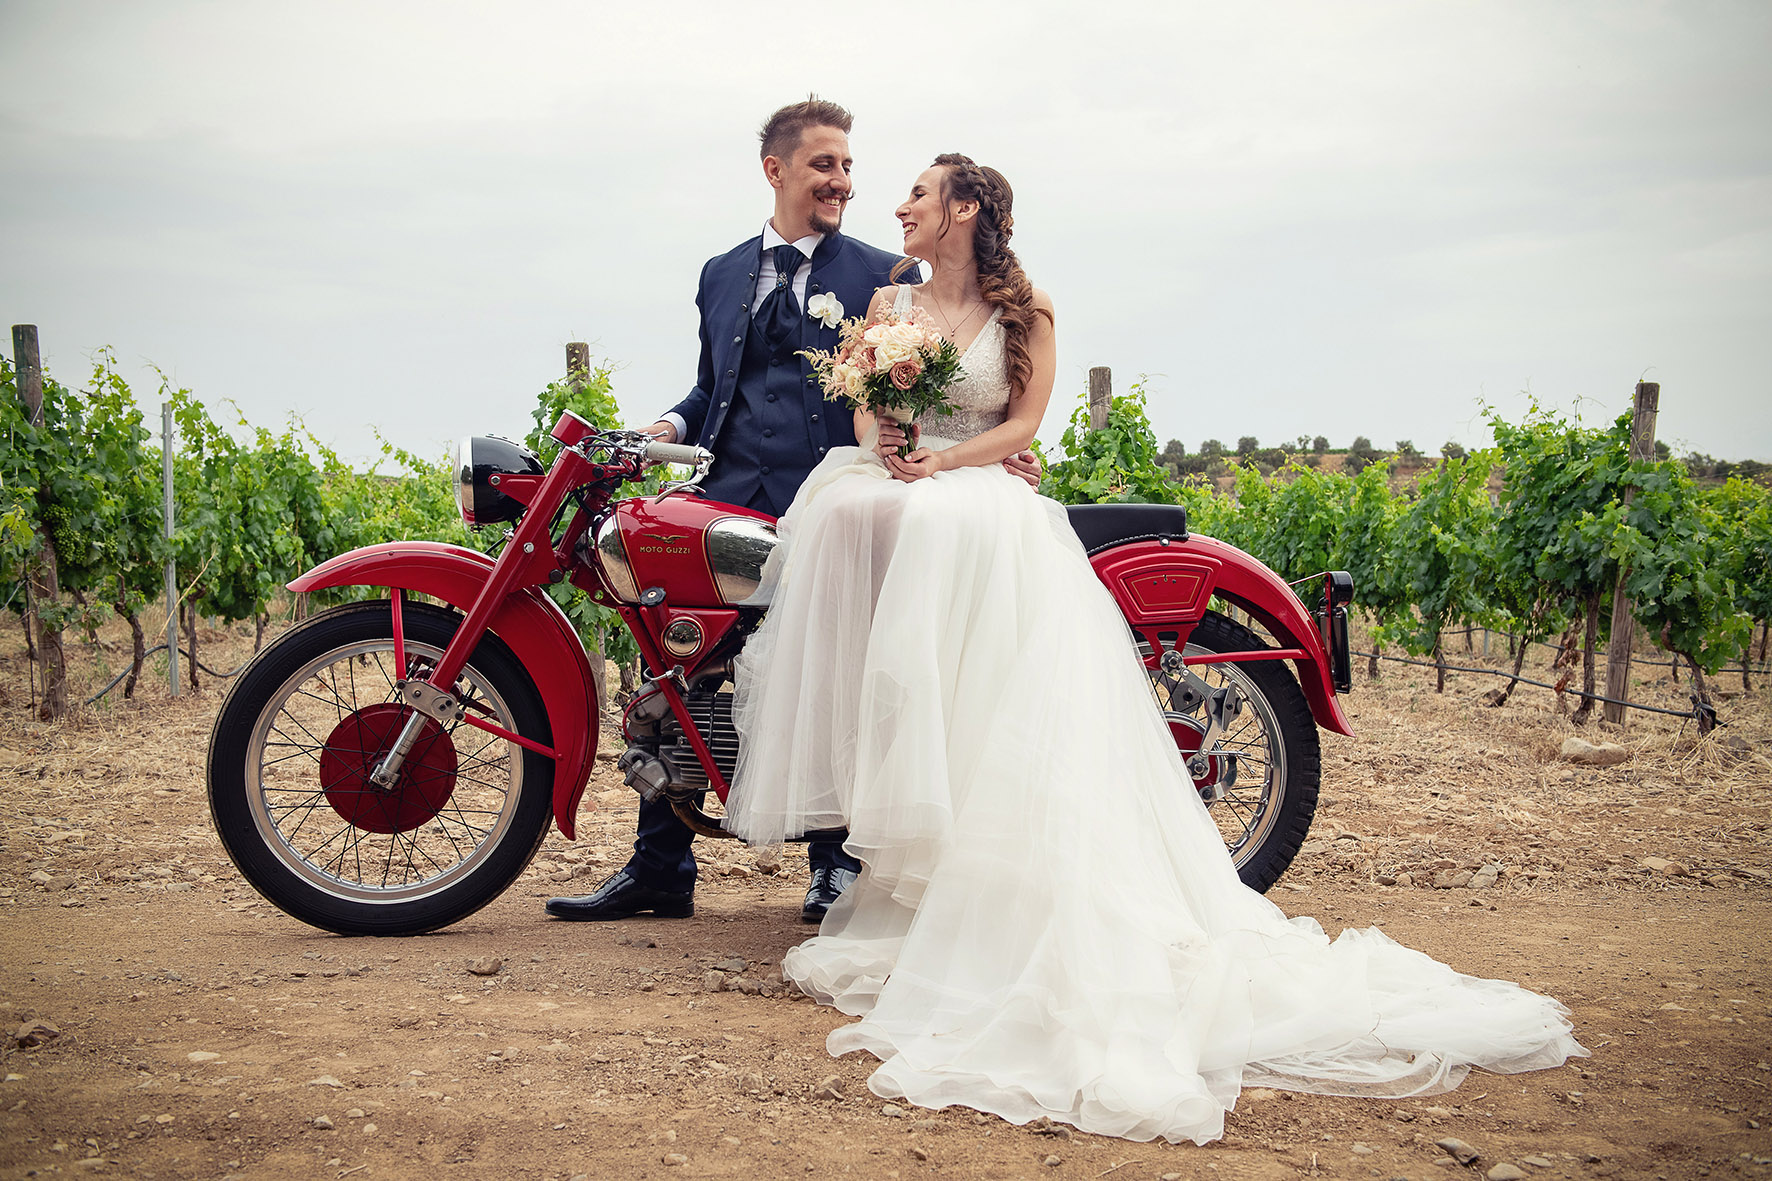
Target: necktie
(779,314)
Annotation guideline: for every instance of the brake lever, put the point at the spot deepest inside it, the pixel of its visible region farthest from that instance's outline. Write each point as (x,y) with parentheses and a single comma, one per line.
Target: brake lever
(701,471)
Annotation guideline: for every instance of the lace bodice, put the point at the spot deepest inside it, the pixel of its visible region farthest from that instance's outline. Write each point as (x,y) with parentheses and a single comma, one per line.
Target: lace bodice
(981,396)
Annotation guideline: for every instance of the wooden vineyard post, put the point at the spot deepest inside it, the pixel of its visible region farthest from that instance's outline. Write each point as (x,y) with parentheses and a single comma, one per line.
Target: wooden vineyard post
(1101,395)
(42,580)
(578,371)
(1642,446)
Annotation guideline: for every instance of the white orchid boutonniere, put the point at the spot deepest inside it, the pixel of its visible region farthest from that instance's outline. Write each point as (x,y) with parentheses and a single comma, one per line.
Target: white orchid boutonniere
(826,308)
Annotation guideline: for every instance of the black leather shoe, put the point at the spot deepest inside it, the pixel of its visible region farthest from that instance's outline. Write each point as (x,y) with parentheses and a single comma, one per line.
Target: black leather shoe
(827,882)
(620,897)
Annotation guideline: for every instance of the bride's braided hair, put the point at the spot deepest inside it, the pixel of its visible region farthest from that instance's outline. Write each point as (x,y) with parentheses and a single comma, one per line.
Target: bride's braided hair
(1001,280)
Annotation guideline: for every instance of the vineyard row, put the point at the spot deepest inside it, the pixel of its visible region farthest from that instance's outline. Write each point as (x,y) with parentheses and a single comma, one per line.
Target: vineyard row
(1535,535)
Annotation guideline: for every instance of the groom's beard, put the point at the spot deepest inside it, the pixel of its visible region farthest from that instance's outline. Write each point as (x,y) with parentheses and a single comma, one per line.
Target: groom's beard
(825,219)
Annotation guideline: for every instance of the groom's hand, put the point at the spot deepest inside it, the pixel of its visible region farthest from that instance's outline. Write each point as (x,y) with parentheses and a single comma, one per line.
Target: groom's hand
(663,431)
(1026,465)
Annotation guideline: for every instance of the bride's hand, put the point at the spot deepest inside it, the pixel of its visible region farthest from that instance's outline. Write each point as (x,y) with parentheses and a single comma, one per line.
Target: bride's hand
(892,437)
(918,465)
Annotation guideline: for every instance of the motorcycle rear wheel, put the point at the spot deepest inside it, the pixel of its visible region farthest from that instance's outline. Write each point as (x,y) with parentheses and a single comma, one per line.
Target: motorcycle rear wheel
(291,801)
(1265,813)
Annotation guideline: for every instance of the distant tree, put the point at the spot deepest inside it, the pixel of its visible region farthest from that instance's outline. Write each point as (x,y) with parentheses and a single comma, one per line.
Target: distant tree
(1452,450)
(1662,450)
(1174,456)
(1360,454)
(1406,451)
(1302,443)
(1268,458)
(1211,449)
(1320,444)
(1247,445)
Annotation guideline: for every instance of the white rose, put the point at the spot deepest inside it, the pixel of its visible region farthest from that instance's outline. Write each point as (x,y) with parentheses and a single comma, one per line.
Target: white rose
(891,351)
(908,335)
(826,308)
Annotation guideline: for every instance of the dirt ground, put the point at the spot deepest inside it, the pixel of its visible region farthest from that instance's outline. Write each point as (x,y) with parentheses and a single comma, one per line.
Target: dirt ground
(166,1022)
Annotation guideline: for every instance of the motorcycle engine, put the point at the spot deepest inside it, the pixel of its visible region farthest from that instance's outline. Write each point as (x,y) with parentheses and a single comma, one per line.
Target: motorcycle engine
(659,760)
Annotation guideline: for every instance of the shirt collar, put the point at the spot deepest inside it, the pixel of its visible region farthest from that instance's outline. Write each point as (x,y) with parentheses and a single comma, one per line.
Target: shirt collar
(806,245)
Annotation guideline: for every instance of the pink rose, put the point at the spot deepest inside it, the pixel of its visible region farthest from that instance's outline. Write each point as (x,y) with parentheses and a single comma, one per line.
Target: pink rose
(904,374)
(864,359)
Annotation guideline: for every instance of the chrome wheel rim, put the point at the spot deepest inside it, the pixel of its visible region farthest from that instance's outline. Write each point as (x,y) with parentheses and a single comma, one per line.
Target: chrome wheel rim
(289,804)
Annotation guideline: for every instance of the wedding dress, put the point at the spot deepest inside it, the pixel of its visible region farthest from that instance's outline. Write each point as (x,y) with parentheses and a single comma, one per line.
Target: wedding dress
(1047,922)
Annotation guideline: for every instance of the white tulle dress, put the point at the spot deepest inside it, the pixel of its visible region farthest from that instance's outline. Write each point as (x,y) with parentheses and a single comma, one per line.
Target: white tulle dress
(1047,923)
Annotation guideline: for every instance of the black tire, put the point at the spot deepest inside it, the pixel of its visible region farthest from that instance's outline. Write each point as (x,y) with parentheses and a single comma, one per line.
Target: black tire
(1265,813)
(400,872)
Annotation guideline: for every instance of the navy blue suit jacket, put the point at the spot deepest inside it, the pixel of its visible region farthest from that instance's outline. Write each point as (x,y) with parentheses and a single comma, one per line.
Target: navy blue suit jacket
(845,267)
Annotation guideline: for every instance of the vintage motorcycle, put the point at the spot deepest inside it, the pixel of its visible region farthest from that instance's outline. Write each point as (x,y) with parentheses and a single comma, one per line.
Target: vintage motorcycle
(388,766)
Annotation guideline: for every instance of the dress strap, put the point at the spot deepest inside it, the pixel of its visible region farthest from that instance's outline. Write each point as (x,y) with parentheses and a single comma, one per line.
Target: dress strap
(902,302)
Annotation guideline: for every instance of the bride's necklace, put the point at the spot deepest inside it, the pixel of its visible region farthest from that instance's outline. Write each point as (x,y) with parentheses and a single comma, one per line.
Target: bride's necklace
(954,330)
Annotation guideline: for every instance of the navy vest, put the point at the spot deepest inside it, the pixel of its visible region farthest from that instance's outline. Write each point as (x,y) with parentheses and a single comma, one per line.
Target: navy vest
(767,441)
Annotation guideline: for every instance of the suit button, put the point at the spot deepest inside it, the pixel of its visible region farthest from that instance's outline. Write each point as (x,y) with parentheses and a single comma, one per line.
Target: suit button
(722,405)
(738,340)
(763,470)
(769,397)
(821,450)
(775,360)
(768,432)
(744,307)
(815,418)
(729,373)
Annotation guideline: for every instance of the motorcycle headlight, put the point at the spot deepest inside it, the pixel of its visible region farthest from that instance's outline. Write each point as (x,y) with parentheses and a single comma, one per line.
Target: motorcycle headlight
(481,462)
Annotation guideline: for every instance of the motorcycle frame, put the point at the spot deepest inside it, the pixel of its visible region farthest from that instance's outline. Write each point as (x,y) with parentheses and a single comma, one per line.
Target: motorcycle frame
(1162,587)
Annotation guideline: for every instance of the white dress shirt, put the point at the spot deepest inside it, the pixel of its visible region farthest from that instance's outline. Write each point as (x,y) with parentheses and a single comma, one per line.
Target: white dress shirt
(766,272)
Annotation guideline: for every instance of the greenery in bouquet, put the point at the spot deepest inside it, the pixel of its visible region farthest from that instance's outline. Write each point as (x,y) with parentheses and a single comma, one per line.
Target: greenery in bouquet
(896,367)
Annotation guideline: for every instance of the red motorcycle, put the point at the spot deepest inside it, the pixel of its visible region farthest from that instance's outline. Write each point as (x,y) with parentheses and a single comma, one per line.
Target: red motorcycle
(388,766)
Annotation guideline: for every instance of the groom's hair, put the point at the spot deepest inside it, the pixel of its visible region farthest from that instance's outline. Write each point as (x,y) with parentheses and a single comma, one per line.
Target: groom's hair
(782,131)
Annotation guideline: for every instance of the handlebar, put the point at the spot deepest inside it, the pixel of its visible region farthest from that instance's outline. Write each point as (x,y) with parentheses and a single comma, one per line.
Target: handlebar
(658,451)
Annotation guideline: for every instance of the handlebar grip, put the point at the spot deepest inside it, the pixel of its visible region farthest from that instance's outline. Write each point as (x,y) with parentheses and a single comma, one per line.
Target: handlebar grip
(661,452)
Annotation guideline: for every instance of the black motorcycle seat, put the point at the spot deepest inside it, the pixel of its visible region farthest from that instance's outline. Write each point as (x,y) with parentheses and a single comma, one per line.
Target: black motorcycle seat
(1100,525)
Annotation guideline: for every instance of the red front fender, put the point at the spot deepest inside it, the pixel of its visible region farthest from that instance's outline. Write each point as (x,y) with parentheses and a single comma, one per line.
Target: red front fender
(1157,583)
(536,630)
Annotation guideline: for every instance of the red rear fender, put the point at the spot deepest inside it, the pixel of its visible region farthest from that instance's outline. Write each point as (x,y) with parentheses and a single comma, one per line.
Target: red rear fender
(536,630)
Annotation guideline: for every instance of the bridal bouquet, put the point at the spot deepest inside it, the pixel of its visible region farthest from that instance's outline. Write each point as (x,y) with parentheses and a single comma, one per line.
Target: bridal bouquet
(897,367)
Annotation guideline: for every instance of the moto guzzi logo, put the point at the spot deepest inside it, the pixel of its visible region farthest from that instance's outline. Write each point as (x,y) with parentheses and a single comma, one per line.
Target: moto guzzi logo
(667,543)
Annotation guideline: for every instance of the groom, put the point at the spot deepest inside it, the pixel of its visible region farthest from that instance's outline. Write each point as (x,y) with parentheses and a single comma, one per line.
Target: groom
(757,407)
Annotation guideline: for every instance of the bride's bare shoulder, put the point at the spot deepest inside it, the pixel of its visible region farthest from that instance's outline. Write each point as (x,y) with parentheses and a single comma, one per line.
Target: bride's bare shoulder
(1042,301)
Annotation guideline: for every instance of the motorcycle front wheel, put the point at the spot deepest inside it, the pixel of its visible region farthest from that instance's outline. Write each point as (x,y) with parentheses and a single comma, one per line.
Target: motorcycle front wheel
(291,797)
(1261,776)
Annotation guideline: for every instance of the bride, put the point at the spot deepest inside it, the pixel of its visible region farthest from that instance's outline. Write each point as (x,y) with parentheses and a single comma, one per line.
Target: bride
(1047,922)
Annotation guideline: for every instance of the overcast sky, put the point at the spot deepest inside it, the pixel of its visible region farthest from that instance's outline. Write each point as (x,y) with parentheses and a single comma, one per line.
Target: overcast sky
(1296,217)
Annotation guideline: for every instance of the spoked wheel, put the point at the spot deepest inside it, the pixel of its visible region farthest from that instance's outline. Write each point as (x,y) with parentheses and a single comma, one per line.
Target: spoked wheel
(290,789)
(1260,775)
